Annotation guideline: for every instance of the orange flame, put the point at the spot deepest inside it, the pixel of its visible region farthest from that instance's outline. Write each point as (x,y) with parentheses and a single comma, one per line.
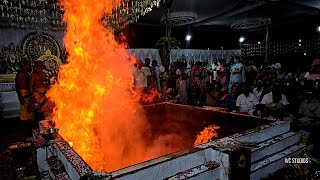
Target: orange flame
(206,135)
(152,96)
(96,108)
(71,144)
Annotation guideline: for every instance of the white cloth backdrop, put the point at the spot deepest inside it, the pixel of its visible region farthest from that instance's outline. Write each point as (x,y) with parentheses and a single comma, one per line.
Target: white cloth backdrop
(145,53)
(195,54)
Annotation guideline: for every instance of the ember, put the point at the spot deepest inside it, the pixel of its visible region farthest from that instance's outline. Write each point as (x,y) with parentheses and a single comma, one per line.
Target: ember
(71,144)
(151,97)
(206,135)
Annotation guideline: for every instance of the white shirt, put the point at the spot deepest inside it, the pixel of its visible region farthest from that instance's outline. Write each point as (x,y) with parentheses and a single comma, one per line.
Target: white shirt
(268,98)
(246,104)
(141,77)
(307,75)
(276,66)
(178,72)
(257,93)
(312,77)
(214,69)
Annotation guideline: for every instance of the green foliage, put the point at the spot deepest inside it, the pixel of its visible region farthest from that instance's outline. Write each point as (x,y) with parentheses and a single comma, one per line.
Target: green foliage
(164,45)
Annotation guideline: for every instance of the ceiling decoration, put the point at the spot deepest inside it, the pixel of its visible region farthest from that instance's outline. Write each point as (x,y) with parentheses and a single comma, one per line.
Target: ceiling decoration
(251,23)
(31,14)
(47,14)
(222,15)
(180,18)
(129,11)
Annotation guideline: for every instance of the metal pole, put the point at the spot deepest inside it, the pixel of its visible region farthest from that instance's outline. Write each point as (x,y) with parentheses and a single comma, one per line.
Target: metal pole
(167,32)
(240,45)
(267,42)
(222,57)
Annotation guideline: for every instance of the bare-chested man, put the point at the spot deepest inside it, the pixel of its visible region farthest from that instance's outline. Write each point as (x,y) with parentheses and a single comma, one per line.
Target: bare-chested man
(22,89)
(38,88)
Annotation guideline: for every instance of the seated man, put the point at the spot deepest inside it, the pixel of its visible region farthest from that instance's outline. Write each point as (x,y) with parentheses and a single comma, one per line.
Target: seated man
(170,95)
(258,90)
(310,107)
(275,103)
(246,101)
(309,116)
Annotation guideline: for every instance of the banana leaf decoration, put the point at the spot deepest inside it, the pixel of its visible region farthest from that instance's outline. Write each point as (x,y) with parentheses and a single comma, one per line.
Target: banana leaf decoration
(164,45)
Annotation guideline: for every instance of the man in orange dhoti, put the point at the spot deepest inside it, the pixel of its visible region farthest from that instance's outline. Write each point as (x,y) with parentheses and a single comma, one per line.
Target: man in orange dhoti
(42,107)
(22,89)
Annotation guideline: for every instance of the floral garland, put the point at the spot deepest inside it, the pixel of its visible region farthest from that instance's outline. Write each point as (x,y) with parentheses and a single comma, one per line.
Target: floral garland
(10,58)
(129,11)
(47,15)
(31,14)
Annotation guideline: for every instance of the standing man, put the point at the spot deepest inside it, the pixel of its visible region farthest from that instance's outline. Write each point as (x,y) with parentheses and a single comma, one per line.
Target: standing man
(214,67)
(151,78)
(22,89)
(156,74)
(141,75)
(38,89)
(251,72)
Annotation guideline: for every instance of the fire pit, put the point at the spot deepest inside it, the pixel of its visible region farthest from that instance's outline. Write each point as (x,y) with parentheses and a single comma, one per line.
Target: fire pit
(186,121)
(246,147)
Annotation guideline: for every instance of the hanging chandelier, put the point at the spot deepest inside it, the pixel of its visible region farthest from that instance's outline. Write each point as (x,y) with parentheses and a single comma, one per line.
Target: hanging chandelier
(129,11)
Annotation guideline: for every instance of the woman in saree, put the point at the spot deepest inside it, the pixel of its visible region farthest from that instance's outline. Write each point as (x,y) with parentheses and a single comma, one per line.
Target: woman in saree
(237,75)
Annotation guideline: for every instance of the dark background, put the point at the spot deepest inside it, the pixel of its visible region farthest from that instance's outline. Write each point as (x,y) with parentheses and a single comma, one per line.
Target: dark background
(139,36)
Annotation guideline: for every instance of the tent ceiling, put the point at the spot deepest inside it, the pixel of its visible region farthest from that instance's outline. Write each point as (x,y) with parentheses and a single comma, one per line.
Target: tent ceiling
(222,14)
(209,14)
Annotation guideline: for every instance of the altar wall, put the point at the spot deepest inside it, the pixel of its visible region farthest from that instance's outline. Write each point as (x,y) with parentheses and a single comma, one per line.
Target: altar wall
(12,35)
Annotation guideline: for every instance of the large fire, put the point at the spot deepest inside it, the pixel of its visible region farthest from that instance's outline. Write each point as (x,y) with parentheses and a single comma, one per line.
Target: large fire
(96,108)
(207,135)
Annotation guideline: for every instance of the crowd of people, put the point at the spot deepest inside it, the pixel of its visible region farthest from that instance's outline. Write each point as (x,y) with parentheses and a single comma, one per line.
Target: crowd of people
(268,91)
